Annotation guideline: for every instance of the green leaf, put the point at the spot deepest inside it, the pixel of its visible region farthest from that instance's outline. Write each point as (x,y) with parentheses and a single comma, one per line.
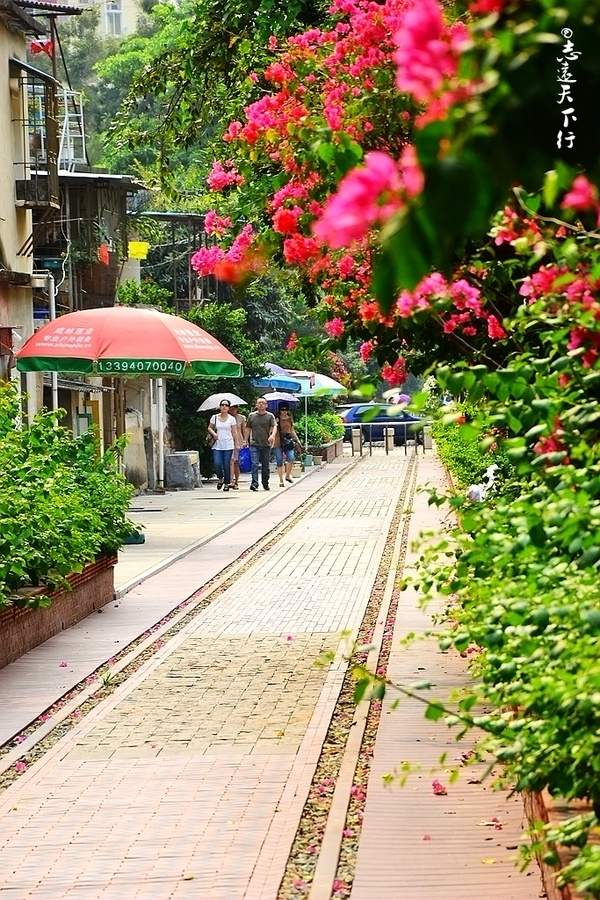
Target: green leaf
(361,688)
(435,710)
(325,151)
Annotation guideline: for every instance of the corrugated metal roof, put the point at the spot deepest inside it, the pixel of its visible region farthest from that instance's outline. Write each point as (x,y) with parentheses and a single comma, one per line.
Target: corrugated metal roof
(70,384)
(46,6)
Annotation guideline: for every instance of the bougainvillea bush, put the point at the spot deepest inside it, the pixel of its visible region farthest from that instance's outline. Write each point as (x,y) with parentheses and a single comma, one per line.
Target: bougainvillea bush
(434,173)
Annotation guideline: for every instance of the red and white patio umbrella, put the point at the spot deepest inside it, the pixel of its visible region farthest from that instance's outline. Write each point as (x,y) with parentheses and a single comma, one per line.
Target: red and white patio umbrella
(126,341)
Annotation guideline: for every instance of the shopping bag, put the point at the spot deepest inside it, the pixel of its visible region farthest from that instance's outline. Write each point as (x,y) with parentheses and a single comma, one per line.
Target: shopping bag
(244,459)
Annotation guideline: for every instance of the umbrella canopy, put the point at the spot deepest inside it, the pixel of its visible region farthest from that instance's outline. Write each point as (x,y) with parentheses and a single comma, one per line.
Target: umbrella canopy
(213,401)
(274,398)
(313,384)
(123,340)
(278,380)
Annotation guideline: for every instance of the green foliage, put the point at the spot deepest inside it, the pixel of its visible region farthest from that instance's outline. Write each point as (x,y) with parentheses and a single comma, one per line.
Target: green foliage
(144,293)
(468,450)
(193,72)
(322,428)
(61,503)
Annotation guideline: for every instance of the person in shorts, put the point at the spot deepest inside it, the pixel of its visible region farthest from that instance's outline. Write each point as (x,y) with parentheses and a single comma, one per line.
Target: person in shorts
(285,439)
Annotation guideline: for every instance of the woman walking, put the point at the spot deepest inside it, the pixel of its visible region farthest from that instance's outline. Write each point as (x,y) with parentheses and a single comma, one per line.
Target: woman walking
(224,432)
(285,439)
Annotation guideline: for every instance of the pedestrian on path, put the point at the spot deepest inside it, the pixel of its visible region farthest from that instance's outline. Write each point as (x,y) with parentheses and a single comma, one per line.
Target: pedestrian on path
(240,419)
(260,431)
(285,439)
(223,430)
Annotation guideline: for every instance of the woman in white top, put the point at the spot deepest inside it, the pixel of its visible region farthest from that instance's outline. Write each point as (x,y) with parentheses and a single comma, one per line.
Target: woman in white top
(224,431)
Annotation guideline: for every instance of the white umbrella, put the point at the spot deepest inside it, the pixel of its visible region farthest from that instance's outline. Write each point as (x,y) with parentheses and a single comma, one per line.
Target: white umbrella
(213,401)
(313,384)
(280,395)
(274,398)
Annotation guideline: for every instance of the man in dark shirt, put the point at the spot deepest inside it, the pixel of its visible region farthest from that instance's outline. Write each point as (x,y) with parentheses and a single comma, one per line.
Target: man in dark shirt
(260,431)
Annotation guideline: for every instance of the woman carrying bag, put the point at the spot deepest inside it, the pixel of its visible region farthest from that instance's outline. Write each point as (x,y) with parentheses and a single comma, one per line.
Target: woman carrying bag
(223,429)
(285,439)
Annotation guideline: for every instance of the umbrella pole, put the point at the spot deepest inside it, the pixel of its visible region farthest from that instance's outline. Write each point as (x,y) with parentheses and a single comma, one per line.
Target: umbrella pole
(52,312)
(160,397)
(306,423)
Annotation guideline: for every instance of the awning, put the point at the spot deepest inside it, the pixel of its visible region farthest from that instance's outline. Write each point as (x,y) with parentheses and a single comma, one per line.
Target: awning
(70,384)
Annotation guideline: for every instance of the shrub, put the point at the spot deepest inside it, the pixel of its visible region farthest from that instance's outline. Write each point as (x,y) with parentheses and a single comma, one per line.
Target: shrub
(322,428)
(463,449)
(62,504)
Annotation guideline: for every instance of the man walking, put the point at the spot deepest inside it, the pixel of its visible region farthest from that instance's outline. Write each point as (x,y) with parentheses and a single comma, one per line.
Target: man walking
(260,433)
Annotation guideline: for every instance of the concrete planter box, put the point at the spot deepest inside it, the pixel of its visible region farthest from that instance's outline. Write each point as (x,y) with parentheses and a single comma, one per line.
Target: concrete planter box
(541,807)
(329,451)
(23,629)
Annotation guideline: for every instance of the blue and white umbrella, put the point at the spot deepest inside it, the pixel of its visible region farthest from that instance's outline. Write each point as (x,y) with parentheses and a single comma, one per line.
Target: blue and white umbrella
(313,384)
(279,379)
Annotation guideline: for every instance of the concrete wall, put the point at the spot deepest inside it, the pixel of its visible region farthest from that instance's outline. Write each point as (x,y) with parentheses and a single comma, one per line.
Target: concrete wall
(15,222)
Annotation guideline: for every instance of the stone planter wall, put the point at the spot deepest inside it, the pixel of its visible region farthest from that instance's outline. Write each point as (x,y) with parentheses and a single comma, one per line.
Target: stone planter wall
(328,451)
(23,629)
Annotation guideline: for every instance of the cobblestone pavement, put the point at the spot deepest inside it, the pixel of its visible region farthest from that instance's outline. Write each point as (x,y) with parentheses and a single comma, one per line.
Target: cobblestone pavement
(190,779)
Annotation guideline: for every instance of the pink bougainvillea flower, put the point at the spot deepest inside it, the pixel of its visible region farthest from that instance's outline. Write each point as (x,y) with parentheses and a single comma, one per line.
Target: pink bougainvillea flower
(335,328)
(484,7)
(215,224)
(438,788)
(426,837)
(221,177)
(289,637)
(412,173)
(63,665)
(367,195)
(299,884)
(395,375)
(299,249)
(285,221)
(582,196)
(205,260)
(494,328)
(338,885)
(427,51)
(20,766)
(233,131)
(365,350)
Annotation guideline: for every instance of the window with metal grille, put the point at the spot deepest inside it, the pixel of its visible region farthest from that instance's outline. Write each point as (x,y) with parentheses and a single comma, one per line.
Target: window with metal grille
(36,136)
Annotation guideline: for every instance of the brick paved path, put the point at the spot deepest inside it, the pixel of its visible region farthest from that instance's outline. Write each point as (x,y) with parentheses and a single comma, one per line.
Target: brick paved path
(198,766)
(189,781)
